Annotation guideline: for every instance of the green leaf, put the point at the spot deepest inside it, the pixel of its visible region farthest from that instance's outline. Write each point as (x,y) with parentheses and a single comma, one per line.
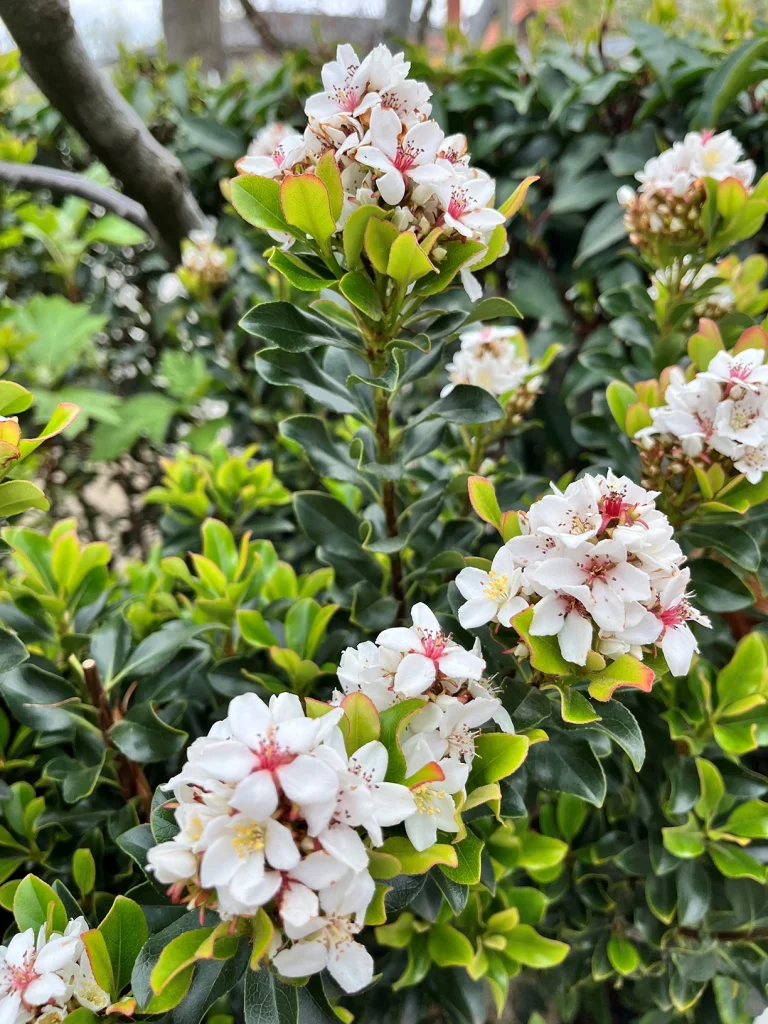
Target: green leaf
(360,724)
(620,397)
(467,404)
(491,309)
(733,862)
(482,497)
(733,542)
(711,789)
(327,171)
(418,862)
(734,74)
(568,765)
(618,722)
(407,261)
(458,254)
(298,272)
(574,706)
(63,333)
(257,200)
(358,289)
(113,230)
(717,588)
(268,1000)
(622,954)
(336,531)
(158,649)
(12,651)
(571,813)
(448,947)
(125,931)
(17,496)
(33,902)
(468,853)
(254,629)
(683,841)
(749,820)
(393,720)
(354,234)
(144,737)
(605,228)
(539,852)
(143,415)
(544,650)
(744,674)
(378,240)
(306,205)
(693,893)
(84,870)
(290,328)
(525,945)
(99,959)
(13,398)
(497,755)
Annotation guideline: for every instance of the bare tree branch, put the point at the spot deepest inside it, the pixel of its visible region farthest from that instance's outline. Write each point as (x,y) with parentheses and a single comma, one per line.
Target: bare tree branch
(33,176)
(54,57)
(260,24)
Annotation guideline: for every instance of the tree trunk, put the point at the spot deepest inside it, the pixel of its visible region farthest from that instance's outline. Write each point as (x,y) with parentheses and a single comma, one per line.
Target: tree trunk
(193,29)
(397,20)
(54,57)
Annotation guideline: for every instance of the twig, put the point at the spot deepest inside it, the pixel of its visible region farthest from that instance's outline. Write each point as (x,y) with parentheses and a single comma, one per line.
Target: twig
(34,176)
(260,25)
(133,781)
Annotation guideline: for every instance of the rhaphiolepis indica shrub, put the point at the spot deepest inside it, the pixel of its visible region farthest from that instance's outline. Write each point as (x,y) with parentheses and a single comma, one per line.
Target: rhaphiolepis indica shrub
(382,752)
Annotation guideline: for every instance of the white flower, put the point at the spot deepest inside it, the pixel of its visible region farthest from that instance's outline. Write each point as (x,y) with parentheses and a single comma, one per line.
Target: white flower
(465,206)
(752,461)
(740,372)
(718,156)
(428,654)
(328,941)
(276,148)
(345,82)
(492,596)
(366,799)
(674,611)
(239,849)
(491,358)
(565,617)
(410,159)
(435,808)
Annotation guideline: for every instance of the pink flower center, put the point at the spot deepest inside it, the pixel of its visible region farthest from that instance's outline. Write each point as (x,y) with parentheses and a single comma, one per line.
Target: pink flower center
(740,371)
(613,508)
(17,978)
(406,157)
(271,755)
(458,203)
(347,97)
(434,645)
(676,616)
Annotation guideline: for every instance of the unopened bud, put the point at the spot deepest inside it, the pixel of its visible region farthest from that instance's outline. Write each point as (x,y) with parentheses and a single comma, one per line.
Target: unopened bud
(595,662)
(520,652)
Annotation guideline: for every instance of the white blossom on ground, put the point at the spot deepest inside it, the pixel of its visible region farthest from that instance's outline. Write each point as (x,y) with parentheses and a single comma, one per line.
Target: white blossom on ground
(603,572)
(272,812)
(390,153)
(45,977)
(721,411)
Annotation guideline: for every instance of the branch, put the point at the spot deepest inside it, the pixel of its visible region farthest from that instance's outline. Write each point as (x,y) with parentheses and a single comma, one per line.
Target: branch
(260,25)
(133,781)
(33,176)
(54,57)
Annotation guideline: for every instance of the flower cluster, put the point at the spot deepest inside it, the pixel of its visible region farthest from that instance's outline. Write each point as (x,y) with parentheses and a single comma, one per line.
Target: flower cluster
(707,284)
(269,807)
(375,120)
(204,267)
(422,661)
(602,570)
(45,978)
(669,200)
(722,410)
(496,359)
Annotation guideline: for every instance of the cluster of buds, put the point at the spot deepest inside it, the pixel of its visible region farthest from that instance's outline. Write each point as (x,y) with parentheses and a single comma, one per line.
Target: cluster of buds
(663,217)
(496,359)
(204,268)
(600,566)
(45,977)
(371,121)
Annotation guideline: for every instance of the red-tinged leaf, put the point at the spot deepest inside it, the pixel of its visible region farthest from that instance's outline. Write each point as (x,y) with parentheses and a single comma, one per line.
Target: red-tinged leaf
(418,862)
(316,708)
(431,772)
(482,496)
(625,671)
(510,525)
(753,337)
(307,205)
(544,650)
(731,196)
(393,720)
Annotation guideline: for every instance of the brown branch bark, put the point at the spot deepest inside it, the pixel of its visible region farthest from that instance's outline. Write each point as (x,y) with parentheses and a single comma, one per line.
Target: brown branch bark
(133,781)
(55,58)
(260,24)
